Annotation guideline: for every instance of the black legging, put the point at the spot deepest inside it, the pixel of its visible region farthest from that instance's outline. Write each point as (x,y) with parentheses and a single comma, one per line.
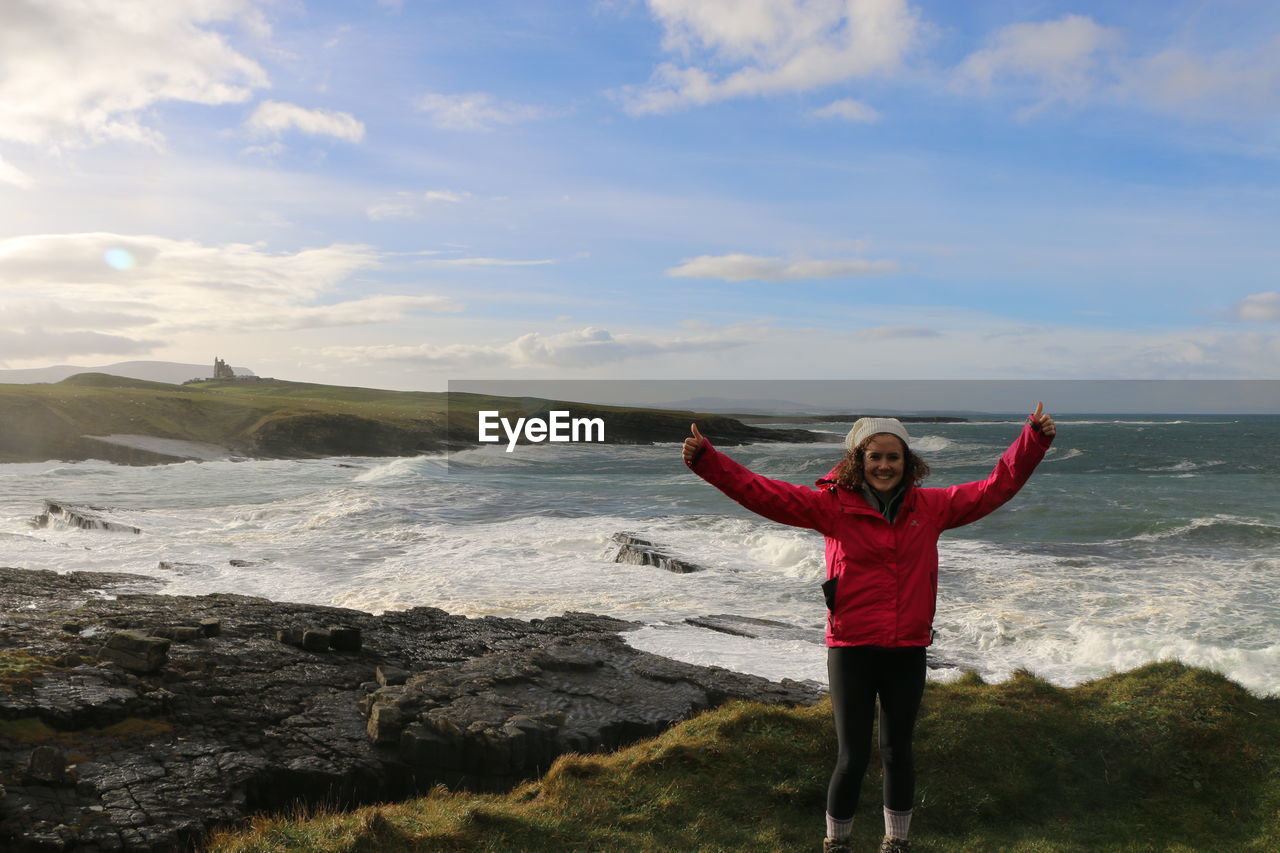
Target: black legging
(857,675)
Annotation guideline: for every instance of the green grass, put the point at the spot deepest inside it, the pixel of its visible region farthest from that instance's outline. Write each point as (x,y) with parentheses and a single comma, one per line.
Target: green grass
(19,669)
(1166,758)
(47,421)
(265,417)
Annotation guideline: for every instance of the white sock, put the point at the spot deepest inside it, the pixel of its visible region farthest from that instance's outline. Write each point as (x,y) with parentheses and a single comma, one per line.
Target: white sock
(897,824)
(839,828)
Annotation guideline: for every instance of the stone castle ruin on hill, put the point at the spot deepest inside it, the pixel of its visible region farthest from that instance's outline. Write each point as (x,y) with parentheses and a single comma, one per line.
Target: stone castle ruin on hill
(222,370)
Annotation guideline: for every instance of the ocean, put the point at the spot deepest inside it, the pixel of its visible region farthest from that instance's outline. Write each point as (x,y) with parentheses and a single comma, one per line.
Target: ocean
(1138,539)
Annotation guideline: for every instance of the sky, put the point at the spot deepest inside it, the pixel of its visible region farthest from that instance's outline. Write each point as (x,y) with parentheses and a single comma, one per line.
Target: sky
(403,194)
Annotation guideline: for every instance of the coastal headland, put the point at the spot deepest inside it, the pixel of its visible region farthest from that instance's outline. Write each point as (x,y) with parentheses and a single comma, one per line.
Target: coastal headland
(137,422)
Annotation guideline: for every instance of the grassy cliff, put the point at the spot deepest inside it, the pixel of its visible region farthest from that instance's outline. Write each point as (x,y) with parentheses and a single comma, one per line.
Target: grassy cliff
(265,418)
(279,419)
(1166,757)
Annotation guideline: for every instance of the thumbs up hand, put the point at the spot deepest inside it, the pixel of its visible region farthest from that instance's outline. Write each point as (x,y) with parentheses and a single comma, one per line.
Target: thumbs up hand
(693,445)
(1042,422)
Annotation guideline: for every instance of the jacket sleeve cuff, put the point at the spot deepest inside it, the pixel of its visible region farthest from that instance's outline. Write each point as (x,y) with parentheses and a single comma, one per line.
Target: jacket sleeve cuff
(1037,434)
(700,460)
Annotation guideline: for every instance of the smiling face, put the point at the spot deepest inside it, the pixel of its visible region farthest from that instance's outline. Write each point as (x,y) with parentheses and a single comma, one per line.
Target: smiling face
(883,461)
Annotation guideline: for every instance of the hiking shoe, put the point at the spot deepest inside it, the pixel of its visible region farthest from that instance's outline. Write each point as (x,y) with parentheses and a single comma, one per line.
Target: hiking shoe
(895,845)
(836,845)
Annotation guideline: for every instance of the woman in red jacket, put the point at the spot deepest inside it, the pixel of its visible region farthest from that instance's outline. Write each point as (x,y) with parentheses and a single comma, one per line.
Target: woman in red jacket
(881,590)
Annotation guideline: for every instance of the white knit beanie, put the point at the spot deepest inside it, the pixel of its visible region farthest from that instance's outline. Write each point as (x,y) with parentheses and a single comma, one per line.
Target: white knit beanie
(864,427)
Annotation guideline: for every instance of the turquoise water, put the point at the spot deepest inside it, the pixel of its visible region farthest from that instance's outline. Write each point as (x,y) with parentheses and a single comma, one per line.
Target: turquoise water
(1138,539)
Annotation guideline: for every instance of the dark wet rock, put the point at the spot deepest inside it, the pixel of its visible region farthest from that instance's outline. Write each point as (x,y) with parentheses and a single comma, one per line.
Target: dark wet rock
(315,640)
(45,590)
(247,564)
(641,552)
(136,651)
(82,516)
(183,568)
(237,722)
(505,716)
(179,633)
(385,722)
(312,434)
(756,628)
(389,676)
(210,627)
(47,764)
(290,637)
(343,638)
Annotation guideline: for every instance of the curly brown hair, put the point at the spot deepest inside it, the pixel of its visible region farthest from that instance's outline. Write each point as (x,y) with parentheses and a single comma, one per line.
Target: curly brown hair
(851,472)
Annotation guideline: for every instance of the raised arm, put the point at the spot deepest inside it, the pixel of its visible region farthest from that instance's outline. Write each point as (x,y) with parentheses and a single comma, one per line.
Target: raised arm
(969,502)
(776,500)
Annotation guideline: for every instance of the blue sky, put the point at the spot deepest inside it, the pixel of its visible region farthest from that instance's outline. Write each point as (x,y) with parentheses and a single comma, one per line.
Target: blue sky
(398,194)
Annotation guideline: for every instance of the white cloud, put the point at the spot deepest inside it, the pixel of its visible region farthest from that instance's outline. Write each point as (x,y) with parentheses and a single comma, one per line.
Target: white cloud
(401,206)
(175,286)
(26,344)
(357,312)
(449,196)
(1258,308)
(51,315)
(738,267)
(1059,58)
(74,72)
(1191,354)
(475,111)
(881,333)
(774,47)
(849,109)
(11,174)
(945,343)
(1237,83)
(581,348)
(407,205)
(487,262)
(1074,59)
(271,149)
(274,118)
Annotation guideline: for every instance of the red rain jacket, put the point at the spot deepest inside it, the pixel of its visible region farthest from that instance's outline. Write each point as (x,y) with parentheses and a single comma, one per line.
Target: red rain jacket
(882,579)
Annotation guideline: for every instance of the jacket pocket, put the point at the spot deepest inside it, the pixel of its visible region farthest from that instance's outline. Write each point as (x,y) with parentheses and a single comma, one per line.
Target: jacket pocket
(829,593)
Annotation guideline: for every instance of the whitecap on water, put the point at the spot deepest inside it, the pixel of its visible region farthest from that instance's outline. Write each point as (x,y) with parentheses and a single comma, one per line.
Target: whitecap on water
(403,467)
(930,443)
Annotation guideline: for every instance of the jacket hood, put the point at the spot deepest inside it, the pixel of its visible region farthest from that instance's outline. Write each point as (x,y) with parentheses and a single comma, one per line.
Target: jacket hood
(828,479)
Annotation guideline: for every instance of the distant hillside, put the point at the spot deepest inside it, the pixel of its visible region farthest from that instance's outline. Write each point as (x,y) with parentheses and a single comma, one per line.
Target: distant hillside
(787,411)
(152,371)
(270,418)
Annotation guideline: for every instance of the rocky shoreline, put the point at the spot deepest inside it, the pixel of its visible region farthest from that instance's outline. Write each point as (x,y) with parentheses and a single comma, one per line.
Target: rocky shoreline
(136,721)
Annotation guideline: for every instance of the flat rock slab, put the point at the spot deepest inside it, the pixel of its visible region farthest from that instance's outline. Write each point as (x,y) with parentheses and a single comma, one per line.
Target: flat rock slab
(505,716)
(641,552)
(757,628)
(237,722)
